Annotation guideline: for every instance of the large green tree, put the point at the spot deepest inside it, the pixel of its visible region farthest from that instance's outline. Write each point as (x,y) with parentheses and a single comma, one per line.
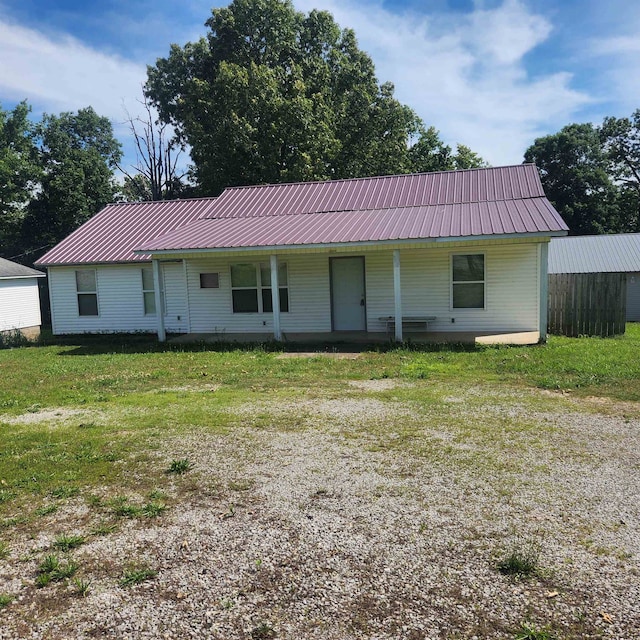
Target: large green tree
(19,172)
(77,156)
(574,169)
(274,95)
(621,140)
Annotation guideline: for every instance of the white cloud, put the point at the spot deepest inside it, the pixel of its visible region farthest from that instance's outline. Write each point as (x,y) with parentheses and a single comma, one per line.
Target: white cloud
(62,74)
(618,54)
(465,73)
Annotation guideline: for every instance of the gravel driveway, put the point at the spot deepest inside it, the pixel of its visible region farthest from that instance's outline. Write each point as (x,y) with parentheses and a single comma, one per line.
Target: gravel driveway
(369,516)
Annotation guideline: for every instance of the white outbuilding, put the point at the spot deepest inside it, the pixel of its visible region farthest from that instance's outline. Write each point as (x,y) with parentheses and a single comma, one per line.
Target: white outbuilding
(19,299)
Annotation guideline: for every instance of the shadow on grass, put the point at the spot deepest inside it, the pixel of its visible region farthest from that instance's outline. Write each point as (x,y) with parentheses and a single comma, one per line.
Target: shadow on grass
(83,345)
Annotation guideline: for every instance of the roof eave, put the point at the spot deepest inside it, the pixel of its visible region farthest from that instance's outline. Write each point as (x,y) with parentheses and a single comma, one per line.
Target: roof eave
(35,275)
(363,243)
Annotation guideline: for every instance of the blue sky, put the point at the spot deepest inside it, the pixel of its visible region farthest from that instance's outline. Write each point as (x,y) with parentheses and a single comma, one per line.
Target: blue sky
(492,74)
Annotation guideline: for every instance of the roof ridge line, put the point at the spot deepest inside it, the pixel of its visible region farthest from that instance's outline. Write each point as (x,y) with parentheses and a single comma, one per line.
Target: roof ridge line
(386,208)
(388,175)
(119,204)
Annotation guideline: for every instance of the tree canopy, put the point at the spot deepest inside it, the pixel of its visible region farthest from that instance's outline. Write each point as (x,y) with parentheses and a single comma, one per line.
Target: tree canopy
(274,95)
(592,174)
(54,175)
(19,169)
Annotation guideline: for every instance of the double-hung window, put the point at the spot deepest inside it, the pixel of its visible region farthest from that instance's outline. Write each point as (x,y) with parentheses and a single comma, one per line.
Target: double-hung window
(251,288)
(467,281)
(148,292)
(87,292)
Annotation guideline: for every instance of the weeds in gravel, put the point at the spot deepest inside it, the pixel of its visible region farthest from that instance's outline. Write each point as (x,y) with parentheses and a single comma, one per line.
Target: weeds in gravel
(64,542)
(529,632)
(64,492)
(104,529)
(5,599)
(263,631)
(180,467)
(520,563)
(82,587)
(121,507)
(46,510)
(136,575)
(51,569)
(153,509)
(4,550)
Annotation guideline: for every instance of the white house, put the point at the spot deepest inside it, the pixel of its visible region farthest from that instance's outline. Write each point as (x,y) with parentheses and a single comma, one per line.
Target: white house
(19,299)
(615,253)
(449,255)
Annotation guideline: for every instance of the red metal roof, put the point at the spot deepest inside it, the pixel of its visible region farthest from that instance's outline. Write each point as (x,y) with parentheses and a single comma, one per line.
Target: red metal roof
(114,233)
(385,192)
(533,215)
(453,204)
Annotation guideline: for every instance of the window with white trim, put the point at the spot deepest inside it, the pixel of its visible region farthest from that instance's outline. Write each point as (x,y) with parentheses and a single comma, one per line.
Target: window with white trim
(467,281)
(148,292)
(251,288)
(87,292)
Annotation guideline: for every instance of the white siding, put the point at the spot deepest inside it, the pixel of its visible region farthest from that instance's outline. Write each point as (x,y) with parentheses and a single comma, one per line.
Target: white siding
(120,300)
(511,288)
(511,291)
(309,298)
(633,297)
(19,304)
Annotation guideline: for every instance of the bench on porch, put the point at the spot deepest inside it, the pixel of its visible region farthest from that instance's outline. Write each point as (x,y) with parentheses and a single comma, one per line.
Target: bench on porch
(409,323)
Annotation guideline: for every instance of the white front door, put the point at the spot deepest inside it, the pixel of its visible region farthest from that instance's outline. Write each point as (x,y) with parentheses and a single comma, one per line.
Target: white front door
(348,308)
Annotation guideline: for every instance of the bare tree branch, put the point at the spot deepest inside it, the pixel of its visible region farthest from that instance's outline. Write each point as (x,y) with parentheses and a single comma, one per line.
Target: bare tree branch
(155,175)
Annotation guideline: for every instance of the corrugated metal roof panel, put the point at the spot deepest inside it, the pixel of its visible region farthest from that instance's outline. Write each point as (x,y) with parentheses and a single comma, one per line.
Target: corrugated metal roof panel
(446,187)
(619,253)
(400,223)
(113,233)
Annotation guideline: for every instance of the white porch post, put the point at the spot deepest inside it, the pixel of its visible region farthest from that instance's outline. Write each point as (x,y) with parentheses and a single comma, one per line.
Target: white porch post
(275,298)
(162,336)
(544,290)
(397,294)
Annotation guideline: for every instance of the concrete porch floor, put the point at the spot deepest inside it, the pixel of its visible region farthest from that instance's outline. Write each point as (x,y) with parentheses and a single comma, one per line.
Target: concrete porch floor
(364,337)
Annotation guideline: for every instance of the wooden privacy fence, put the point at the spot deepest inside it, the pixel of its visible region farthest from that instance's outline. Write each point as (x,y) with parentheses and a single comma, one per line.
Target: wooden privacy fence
(587,304)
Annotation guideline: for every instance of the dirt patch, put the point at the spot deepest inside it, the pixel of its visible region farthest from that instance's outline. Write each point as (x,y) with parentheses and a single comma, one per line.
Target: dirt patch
(384,384)
(319,354)
(49,415)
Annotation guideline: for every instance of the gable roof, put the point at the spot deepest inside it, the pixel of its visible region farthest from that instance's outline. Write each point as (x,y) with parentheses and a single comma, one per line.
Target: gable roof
(617,253)
(11,270)
(472,203)
(115,231)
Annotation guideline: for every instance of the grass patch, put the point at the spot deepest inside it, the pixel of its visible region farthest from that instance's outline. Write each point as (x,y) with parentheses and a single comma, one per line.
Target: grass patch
(136,575)
(52,569)
(65,542)
(82,587)
(520,563)
(179,467)
(530,632)
(5,600)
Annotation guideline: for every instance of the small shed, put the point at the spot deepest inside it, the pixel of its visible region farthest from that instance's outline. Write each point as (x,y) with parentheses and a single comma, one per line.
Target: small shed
(594,284)
(19,299)
(616,253)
